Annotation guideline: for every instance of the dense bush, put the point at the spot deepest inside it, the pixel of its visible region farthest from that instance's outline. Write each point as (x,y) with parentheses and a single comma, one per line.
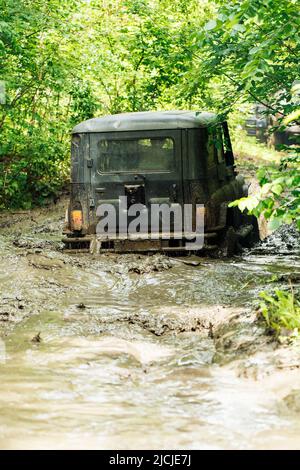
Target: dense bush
(63,61)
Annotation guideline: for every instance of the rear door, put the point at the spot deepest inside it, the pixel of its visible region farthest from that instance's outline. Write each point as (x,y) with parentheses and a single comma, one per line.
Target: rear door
(146,167)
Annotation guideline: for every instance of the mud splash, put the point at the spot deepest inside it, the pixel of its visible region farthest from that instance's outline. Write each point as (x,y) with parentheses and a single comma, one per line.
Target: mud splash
(139,352)
(284,241)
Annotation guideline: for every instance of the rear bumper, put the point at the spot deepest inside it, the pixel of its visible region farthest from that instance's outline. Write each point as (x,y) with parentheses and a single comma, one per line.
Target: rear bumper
(136,243)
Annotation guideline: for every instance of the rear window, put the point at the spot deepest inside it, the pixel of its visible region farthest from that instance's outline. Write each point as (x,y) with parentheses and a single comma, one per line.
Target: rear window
(136,155)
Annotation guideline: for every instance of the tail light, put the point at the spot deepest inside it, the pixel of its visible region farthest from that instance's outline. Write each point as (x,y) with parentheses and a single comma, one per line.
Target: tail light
(201,211)
(76,219)
(200,217)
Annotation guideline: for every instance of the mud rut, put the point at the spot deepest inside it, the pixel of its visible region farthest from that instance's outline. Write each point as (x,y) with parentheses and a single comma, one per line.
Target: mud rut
(140,352)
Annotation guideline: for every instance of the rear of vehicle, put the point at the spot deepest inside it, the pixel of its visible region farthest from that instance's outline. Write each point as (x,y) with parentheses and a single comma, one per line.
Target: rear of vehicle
(148,159)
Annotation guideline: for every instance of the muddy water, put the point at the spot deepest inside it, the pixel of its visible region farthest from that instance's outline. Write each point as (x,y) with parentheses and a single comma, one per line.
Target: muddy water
(99,354)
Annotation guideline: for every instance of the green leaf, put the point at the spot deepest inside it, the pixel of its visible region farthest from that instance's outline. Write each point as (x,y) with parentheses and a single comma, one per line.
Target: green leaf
(210,25)
(277,189)
(274,223)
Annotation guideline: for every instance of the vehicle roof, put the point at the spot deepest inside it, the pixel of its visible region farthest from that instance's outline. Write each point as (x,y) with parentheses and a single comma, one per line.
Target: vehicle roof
(148,120)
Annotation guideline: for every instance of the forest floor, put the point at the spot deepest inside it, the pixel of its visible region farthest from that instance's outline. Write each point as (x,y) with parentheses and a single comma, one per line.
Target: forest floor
(136,351)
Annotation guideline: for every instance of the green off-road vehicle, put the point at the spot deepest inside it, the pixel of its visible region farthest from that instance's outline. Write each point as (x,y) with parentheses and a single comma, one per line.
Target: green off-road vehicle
(170,158)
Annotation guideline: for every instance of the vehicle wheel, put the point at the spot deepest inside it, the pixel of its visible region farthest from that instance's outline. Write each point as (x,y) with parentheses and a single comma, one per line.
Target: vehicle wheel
(228,245)
(248,232)
(241,232)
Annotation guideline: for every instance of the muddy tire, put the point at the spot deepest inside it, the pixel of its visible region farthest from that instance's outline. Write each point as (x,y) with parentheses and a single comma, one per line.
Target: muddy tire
(241,232)
(252,237)
(229,242)
(245,225)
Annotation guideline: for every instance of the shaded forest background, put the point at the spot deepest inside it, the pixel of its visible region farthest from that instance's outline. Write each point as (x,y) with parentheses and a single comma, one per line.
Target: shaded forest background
(64,61)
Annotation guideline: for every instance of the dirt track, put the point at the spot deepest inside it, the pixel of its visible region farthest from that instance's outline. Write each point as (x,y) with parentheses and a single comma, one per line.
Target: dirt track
(109,348)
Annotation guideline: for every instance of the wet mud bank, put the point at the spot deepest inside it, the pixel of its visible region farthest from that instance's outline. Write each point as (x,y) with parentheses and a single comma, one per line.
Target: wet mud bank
(141,351)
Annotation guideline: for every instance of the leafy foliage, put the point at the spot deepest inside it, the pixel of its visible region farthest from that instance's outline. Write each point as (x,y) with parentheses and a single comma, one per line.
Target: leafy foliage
(64,61)
(253,46)
(34,37)
(279,197)
(281,311)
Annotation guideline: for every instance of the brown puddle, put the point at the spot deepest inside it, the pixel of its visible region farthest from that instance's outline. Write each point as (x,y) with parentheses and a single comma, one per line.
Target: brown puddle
(96,355)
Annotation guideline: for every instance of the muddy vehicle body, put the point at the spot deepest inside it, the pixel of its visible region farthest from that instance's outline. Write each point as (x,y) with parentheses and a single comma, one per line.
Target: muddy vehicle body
(171,157)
